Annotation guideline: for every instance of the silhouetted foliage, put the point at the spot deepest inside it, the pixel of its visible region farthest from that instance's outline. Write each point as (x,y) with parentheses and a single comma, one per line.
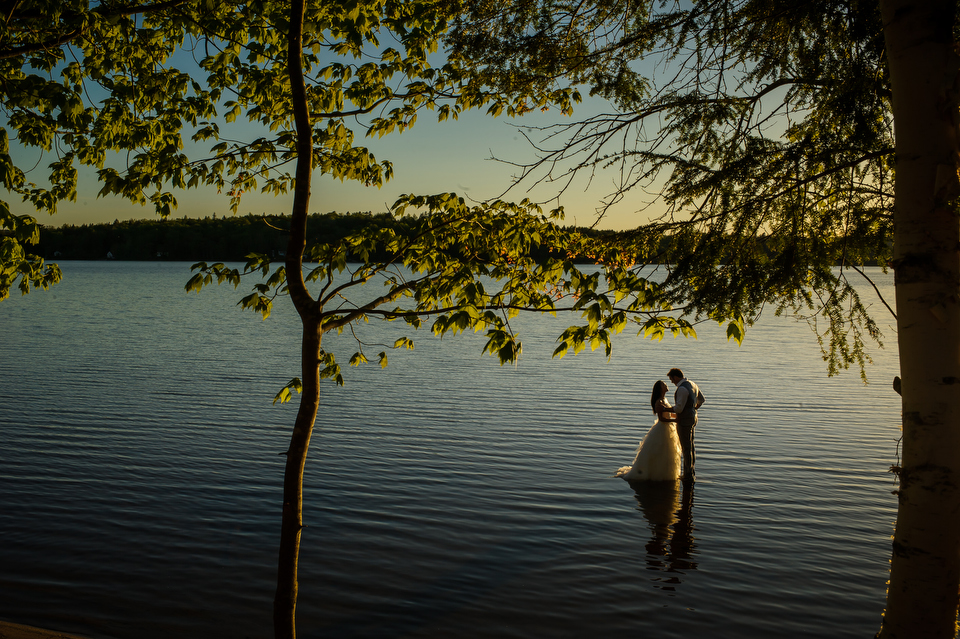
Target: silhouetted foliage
(228,239)
(233,238)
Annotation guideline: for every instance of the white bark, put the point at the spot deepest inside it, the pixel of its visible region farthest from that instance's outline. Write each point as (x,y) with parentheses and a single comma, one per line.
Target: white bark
(924,66)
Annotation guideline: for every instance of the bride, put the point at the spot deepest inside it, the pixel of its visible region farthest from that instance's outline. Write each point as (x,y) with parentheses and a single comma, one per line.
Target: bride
(658,457)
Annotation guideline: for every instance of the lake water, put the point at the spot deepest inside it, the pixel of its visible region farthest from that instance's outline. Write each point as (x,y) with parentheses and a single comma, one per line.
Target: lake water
(445,496)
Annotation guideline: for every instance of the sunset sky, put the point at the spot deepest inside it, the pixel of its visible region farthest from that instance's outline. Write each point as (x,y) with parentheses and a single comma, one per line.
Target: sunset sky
(430,158)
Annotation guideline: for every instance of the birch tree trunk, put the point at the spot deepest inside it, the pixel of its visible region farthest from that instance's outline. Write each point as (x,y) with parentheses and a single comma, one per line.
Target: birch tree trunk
(924,67)
(285,600)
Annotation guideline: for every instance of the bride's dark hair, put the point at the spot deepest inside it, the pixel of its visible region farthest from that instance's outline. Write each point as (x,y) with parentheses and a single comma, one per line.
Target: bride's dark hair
(657,394)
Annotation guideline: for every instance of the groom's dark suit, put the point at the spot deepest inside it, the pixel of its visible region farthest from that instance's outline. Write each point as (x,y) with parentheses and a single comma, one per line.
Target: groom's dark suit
(686,407)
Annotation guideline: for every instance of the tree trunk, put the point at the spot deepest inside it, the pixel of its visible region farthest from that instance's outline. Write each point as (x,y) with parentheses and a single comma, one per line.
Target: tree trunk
(924,67)
(285,600)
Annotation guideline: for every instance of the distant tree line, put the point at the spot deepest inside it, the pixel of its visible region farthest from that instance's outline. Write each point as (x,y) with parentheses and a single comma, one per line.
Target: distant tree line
(232,238)
(223,239)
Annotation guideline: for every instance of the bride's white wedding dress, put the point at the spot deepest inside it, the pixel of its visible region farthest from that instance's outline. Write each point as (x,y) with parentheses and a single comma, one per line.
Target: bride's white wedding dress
(659,456)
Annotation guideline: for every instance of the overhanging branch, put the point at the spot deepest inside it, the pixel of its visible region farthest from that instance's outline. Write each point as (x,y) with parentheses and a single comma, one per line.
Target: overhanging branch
(69,36)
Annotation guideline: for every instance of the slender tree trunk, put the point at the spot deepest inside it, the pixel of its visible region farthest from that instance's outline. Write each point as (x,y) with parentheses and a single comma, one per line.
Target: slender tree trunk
(285,601)
(924,69)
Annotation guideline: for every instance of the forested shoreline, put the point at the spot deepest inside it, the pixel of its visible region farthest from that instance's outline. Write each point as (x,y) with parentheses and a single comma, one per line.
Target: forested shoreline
(232,238)
(222,239)
(214,238)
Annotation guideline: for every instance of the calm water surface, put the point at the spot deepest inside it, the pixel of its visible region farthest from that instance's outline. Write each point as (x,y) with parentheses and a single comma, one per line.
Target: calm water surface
(140,478)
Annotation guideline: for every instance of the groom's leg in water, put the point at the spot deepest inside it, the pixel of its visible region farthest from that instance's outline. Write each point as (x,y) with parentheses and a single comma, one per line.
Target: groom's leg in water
(692,470)
(689,454)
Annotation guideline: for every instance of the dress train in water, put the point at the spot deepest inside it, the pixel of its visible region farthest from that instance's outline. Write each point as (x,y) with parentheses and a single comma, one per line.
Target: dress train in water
(658,457)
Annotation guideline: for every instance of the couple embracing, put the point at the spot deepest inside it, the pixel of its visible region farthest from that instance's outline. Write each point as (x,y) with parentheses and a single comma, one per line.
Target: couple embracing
(667,451)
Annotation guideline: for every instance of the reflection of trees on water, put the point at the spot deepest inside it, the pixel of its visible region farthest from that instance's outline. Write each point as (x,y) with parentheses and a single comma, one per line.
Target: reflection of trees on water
(671,548)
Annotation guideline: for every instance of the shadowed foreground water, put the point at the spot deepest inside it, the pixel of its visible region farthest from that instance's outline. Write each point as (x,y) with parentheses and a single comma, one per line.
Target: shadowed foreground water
(445,496)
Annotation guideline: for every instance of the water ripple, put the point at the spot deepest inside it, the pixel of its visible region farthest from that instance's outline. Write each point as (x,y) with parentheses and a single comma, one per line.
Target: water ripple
(445,495)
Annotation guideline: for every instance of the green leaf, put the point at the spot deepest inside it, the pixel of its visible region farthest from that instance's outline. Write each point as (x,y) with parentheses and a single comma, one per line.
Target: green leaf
(735,331)
(653,329)
(561,350)
(404,342)
(357,359)
(284,395)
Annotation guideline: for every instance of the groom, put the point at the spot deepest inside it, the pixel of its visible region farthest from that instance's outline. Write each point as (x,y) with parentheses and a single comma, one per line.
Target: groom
(686,400)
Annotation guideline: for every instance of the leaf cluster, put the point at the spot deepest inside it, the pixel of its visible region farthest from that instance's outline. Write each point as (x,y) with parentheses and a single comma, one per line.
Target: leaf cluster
(764,129)
(454,268)
(144,94)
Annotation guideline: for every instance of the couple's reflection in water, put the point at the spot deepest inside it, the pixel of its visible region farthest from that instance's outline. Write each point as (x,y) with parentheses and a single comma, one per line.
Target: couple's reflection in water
(671,549)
